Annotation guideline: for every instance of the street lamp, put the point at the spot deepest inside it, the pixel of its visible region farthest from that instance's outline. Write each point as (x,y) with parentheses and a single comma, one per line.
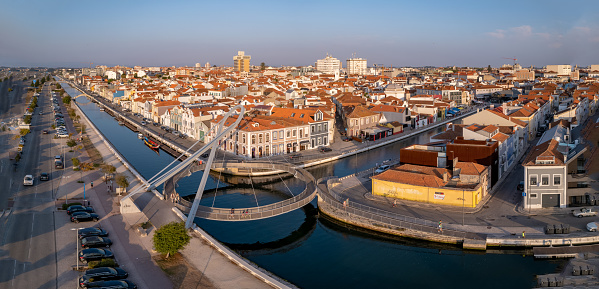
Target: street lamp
(77,244)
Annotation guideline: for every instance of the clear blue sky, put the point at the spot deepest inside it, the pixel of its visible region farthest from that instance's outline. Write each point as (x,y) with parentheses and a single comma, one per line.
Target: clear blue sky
(399,33)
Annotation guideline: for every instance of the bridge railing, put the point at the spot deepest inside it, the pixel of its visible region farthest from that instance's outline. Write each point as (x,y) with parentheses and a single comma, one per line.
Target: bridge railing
(259,212)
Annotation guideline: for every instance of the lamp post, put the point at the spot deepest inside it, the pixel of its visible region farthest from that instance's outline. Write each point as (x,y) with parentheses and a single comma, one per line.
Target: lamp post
(77,244)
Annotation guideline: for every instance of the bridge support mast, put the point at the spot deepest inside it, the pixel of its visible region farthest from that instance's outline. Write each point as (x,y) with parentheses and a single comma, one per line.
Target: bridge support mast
(196,201)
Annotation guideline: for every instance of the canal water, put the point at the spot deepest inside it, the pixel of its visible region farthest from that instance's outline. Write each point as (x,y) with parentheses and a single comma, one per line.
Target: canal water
(315,252)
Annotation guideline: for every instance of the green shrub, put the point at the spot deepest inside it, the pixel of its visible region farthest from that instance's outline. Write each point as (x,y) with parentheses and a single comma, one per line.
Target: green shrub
(66,206)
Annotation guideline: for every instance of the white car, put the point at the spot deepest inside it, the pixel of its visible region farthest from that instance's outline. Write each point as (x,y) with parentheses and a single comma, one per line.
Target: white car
(584,212)
(61,135)
(28,180)
(592,226)
(382,169)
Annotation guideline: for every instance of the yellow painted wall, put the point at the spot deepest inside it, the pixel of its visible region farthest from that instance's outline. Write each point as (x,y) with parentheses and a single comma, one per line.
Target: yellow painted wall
(426,194)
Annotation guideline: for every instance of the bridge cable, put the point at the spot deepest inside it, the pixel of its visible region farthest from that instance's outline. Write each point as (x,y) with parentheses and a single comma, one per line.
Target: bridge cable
(279,174)
(219,174)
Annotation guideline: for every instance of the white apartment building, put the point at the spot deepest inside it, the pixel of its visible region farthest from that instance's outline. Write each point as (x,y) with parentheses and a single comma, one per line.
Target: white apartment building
(328,65)
(561,69)
(357,66)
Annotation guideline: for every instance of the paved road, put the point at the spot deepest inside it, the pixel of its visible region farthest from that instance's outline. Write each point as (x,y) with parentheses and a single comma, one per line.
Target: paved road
(28,258)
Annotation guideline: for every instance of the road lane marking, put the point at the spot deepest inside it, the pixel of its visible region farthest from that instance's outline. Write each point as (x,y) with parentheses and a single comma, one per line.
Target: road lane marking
(14,273)
(30,237)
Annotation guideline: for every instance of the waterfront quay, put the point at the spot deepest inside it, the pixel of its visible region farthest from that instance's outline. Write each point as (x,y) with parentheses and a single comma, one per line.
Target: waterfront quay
(499,220)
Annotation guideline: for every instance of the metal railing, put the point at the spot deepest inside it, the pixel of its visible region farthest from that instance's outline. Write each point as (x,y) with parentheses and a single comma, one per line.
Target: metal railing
(384,218)
(251,213)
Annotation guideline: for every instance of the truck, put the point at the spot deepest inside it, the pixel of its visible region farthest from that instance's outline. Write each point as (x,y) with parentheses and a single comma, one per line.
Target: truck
(584,212)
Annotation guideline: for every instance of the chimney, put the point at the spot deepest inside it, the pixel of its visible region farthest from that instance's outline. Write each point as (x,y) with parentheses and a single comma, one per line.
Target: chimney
(445,177)
(504,107)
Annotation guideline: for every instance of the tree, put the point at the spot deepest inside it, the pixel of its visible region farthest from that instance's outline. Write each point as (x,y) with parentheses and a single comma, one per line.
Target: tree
(171,238)
(66,100)
(122,181)
(108,170)
(489,68)
(262,66)
(75,162)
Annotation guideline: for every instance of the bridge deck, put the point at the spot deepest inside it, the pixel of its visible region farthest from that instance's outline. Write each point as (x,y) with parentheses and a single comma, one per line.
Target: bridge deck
(249,213)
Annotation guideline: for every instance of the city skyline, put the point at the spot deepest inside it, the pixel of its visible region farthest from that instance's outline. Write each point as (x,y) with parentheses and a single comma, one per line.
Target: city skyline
(435,33)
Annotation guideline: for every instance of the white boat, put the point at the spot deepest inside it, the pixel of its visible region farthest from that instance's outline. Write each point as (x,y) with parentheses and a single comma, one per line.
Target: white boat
(140,136)
(101,109)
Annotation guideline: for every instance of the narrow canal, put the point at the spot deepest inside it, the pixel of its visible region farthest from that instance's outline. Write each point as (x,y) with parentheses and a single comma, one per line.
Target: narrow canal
(316,253)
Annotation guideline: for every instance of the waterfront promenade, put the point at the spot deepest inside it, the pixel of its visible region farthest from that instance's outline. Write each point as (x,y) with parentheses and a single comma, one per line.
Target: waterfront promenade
(499,219)
(216,268)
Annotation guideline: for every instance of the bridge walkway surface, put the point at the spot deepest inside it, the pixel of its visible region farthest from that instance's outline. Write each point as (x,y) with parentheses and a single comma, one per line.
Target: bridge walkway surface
(205,258)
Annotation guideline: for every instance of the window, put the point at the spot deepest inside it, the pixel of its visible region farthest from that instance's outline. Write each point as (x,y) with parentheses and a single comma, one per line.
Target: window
(301,134)
(301,115)
(557,179)
(260,138)
(324,140)
(274,135)
(267,137)
(253,139)
(294,132)
(533,180)
(312,129)
(325,126)
(288,133)
(243,138)
(544,180)
(293,114)
(533,196)
(281,135)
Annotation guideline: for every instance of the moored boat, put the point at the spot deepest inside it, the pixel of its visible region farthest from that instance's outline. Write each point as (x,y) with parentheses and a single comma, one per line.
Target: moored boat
(150,143)
(140,136)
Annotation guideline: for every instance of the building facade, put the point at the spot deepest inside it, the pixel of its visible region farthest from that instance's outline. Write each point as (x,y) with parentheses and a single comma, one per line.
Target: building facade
(241,62)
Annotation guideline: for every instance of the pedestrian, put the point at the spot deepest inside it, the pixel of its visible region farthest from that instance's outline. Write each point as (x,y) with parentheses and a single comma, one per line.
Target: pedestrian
(92,183)
(440,226)
(394,203)
(523,234)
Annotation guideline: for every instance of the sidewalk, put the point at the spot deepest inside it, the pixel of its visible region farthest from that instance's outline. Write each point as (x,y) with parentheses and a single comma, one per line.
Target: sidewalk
(216,267)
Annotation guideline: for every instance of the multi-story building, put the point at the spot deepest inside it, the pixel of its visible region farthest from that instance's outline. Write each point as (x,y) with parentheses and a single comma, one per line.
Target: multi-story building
(329,65)
(554,170)
(357,66)
(560,69)
(360,118)
(241,62)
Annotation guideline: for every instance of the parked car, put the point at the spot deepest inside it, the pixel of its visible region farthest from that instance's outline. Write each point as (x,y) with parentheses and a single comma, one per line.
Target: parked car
(92,231)
(44,177)
(94,242)
(584,212)
(84,217)
(79,208)
(592,226)
(101,274)
(382,169)
(94,254)
(28,180)
(112,284)
(176,132)
(346,138)
(155,124)
(205,155)
(520,186)
(143,123)
(324,149)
